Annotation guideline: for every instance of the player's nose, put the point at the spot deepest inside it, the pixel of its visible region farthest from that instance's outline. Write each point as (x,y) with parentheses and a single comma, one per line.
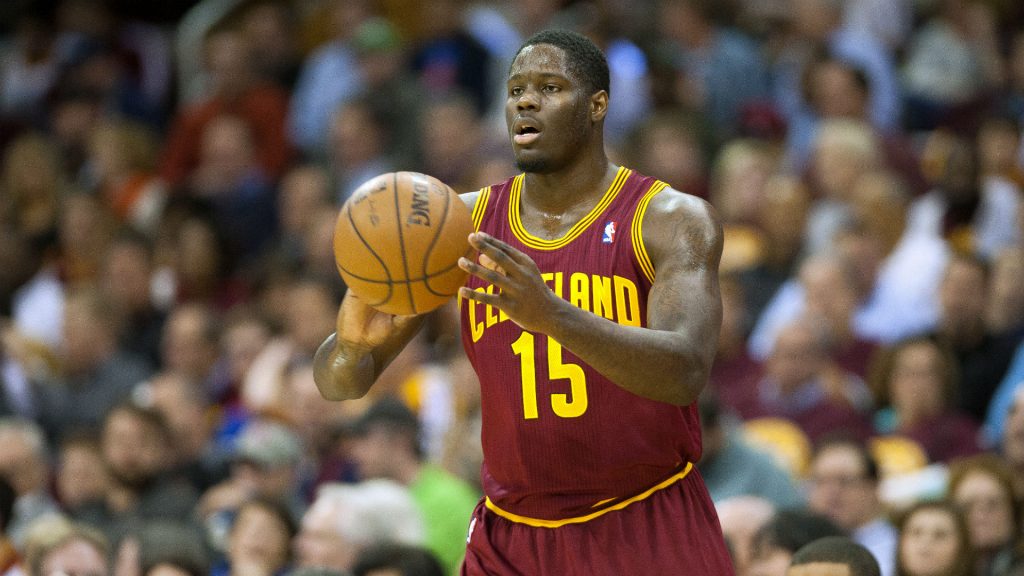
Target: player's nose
(527,100)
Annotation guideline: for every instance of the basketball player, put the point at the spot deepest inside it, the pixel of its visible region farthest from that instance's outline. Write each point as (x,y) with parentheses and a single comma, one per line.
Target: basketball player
(591,318)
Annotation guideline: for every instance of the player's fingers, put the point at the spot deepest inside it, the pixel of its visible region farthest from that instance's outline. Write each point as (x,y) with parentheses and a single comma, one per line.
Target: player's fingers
(486,274)
(501,253)
(490,264)
(480,296)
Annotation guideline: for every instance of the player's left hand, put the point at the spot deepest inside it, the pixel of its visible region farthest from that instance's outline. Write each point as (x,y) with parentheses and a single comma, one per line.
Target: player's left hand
(520,292)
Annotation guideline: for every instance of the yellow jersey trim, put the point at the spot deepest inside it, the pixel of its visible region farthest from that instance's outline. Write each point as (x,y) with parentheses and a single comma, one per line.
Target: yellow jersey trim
(480,207)
(520,232)
(538,523)
(637,230)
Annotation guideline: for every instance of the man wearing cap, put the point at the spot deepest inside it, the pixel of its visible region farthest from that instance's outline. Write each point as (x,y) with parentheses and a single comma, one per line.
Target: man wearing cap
(387,444)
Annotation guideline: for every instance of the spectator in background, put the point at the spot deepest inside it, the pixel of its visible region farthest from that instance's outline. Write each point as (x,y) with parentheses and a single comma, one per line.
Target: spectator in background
(82,476)
(738,183)
(397,560)
(819,25)
(238,190)
(732,468)
(1011,442)
(983,487)
(721,69)
(25,464)
(270,28)
(742,518)
(982,358)
(1003,408)
(305,191)
(844,486)
(33,182)
(126,279)
(187,409)
(934,540)
(788,531)
(121,169)
(260,539)
(136,447)
(10,557)
(268,463)
(782,219)
(360,147)
(307,320)
(346,519)
(801,383)
(84,233)
(164,548)
(915,382)
(831,555)
(829,289)
(189,346)
(1004,310)
(900,271)
(952,62)
(843,150)
(58,546)
(30,67)
(452,139)
(235,91)
(973,215)
(390,88)
(447,58)
(734,373)
(387,444)
(329,77)
(97,374)
(668,144)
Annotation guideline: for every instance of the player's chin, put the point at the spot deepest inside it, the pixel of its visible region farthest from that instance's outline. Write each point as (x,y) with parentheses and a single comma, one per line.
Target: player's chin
(527,162)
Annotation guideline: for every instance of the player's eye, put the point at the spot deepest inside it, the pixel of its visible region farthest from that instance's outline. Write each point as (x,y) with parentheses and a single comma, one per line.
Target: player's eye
(551,88)
(515,91)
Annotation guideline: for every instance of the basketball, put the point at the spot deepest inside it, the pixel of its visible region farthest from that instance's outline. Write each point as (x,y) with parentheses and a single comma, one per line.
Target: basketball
(398,241)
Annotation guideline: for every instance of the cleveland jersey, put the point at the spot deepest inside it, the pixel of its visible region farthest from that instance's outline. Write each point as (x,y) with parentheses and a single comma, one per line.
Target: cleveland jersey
(560,440)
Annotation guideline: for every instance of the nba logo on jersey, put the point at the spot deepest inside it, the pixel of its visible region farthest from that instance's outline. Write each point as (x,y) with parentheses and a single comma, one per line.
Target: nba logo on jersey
(609,233)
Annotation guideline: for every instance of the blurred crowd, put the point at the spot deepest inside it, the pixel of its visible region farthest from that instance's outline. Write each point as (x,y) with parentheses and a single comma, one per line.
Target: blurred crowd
(170,180)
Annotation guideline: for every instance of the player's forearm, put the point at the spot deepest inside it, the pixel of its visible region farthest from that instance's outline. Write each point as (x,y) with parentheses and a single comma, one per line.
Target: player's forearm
(340,373)
(656,364)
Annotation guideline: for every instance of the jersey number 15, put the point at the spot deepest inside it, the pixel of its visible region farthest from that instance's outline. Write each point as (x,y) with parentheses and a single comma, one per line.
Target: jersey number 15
(565,405)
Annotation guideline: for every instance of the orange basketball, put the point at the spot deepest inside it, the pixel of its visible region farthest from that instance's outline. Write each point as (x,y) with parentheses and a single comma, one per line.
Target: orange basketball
(398,241)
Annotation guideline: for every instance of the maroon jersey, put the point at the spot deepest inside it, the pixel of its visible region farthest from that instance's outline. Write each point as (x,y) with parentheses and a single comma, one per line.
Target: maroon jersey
(560,440)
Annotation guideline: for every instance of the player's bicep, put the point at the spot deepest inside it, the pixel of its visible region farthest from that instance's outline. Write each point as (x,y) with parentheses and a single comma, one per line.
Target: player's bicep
(684,239)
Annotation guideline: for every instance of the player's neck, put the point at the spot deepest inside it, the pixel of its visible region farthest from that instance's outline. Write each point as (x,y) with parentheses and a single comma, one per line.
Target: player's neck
(558,192)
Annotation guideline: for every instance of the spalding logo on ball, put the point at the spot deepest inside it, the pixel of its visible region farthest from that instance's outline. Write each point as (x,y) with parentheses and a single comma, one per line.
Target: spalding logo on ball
(398,241)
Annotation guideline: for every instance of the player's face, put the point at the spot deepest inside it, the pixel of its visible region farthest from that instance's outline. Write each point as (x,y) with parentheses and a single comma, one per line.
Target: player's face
(547,110)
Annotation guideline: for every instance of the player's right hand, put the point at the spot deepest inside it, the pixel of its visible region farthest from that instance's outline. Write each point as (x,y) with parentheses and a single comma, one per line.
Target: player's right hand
(361,328)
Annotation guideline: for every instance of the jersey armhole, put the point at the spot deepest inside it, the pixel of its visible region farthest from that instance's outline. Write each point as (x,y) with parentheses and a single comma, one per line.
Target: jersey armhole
(480,207)
(637,230)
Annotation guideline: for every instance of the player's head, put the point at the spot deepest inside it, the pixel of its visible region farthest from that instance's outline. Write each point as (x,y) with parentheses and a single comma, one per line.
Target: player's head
(557,98)
(833,556)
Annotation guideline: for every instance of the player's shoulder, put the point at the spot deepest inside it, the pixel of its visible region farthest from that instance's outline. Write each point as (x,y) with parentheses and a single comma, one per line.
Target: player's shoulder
(674,218)
(471,198)
(671,207)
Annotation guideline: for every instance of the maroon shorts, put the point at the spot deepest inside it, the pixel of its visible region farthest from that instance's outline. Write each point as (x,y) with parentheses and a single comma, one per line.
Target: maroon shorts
(673,531)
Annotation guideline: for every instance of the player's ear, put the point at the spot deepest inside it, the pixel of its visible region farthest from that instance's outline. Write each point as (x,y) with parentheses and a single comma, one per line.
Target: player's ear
(598,105)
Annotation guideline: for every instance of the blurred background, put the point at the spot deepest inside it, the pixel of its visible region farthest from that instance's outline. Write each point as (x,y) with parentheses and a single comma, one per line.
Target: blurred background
(171,173)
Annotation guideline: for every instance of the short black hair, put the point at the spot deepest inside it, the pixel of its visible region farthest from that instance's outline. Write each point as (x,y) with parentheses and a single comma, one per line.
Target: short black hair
(586,61)
(793,528)
(838,550)
(407,560)
(842,440)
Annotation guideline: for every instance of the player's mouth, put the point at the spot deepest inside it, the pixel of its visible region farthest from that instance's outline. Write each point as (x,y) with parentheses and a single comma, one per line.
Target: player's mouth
(525,132)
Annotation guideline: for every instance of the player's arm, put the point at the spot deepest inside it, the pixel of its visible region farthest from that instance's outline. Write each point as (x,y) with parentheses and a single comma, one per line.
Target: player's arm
(670,359)
(365,342)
